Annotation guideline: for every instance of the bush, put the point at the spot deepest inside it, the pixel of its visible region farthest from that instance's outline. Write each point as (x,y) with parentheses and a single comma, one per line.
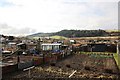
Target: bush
(108,71)
(68,66)
(87,68)
(52,64)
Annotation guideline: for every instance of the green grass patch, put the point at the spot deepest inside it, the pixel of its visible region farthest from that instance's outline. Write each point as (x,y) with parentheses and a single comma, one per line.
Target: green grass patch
(58,37)
(98,54)
(112,30)
(117,59)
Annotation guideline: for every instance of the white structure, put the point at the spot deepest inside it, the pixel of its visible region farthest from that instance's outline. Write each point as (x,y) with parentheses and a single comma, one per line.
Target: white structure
(72,41)
(12,44)
(2,39)
(53,46)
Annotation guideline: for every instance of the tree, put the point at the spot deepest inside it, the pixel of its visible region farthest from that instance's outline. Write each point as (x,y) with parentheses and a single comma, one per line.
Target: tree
(11,38)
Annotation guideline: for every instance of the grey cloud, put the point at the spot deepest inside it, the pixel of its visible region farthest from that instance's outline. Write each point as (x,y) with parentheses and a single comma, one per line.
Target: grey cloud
(5,29)
(4,26)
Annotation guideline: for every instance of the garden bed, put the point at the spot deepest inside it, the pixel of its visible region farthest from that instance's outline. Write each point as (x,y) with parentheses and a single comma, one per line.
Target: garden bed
(82,65)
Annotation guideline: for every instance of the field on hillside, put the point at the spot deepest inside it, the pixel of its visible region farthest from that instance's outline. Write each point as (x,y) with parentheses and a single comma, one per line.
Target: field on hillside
(58,37)
(112,30)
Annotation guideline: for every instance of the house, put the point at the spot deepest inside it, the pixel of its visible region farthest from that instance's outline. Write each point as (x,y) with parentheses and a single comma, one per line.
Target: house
(6,53)
(111,48)
(12,44)
(22,46)
(76,47)
(84,47)
(2,39)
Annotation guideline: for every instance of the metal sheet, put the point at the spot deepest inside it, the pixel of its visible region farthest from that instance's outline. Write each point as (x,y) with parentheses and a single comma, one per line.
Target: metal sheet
(25,65)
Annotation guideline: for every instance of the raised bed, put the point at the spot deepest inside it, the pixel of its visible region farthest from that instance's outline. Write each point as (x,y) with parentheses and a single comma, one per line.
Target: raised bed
(83,65)
(59,56)
(37,61)
(8,68)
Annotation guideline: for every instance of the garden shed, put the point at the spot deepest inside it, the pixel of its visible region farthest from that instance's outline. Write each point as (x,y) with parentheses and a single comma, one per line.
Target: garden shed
(97,47)
(53,46)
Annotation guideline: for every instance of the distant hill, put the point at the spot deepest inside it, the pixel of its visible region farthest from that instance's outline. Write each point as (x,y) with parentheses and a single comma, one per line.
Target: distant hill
(40,35)
(73,33)
(82,33)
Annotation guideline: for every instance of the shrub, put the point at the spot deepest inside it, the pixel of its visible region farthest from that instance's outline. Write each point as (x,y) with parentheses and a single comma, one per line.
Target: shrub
(68,66)
(108,71)
(87,68)
(52,64)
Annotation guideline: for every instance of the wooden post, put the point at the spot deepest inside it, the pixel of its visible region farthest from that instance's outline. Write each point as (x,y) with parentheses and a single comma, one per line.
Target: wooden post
(43,54)
(18,57)
(38,44)
(29,73)
(72,74)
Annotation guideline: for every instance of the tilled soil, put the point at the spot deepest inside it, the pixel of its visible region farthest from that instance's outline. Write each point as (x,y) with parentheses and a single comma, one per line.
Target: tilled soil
(86,66)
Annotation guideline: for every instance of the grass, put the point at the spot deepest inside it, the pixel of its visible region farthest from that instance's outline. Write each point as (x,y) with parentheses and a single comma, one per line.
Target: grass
(117,59)
(58,37)
(98,54)
(115,55)
(112,30)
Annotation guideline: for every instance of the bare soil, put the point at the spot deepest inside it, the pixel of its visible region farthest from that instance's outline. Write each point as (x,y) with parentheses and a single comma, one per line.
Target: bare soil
(86,66)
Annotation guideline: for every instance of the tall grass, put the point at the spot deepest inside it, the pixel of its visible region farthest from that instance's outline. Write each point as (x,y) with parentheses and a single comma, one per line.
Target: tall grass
(117,59)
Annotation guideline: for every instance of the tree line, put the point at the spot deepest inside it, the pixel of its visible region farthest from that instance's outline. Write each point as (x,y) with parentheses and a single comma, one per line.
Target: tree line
(81,33)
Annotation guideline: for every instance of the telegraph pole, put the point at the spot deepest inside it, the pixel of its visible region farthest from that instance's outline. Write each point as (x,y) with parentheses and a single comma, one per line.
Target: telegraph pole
(18,56)
(38,44)
(40,49)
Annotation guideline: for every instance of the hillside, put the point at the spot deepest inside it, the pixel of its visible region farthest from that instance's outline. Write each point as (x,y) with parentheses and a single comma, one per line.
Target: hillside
(73,33)
(40,35)
(58,37)
(82,33)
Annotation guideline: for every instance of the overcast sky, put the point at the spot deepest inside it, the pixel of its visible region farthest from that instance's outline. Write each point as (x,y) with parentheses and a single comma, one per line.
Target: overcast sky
(22,17)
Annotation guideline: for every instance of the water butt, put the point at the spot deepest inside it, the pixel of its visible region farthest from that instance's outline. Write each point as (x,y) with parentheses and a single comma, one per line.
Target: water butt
(87,68)
(68,66)
(52,64)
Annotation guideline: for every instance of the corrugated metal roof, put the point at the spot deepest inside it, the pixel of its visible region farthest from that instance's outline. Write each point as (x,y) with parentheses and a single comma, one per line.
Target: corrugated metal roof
(20,43)
(50,44)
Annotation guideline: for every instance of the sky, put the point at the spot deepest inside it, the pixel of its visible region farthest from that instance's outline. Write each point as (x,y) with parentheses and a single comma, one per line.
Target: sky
(24,17)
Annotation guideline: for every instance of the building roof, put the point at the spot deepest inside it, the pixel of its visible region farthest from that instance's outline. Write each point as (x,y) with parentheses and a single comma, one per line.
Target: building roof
(20,43)
(6,51)
(12,43)
(75,45)
(45,44)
